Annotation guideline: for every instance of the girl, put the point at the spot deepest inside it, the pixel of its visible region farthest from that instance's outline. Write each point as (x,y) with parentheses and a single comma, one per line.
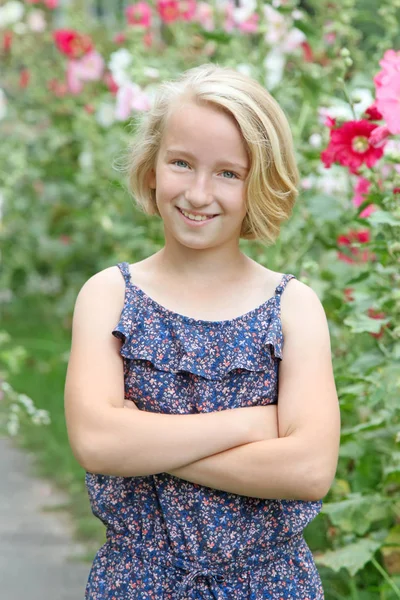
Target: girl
(206,484)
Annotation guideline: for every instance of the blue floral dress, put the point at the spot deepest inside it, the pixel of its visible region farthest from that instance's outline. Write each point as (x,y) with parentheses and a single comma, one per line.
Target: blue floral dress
(170,539)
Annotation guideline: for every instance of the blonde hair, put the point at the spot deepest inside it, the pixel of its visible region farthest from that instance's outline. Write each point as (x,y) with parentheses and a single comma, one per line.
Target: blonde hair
(271,184)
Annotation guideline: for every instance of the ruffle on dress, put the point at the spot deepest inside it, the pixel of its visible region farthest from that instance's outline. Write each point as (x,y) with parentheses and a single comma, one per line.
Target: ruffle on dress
(209,349)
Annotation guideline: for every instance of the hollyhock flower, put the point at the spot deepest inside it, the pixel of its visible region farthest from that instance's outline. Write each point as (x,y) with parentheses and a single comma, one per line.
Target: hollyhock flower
(390,64)
(379,136)
(24,78)
(110,83)
(51,4)
(118,65)
(348,294)
(361,190)
(168,10)
(372,113)
(278,32)
(349,146)
(7,41)
(307,52)
(139,14)
(374,314)
(105,115)
(88,68)
(205,16)
(250,25)
(387,101)
(187,9)
(119,38)
(11,13)
(36,21)
(274,64)
(130,97)
(244,11)
(350,242)
(71,43)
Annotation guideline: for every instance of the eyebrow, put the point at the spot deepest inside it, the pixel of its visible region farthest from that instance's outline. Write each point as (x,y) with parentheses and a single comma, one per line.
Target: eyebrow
(227,163)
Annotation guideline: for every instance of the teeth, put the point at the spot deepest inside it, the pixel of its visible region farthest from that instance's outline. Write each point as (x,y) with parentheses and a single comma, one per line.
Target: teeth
(195,217)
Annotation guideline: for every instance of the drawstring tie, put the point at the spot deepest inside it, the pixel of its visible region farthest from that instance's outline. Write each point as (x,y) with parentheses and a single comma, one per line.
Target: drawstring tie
(195,572)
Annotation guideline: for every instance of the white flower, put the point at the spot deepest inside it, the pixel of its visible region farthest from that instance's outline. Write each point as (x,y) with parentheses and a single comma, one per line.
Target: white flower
(279,34)
(274,64)
(11,13)
(315,140)
(244,11)
(3,104)
(329,181)
(118,65)
(105,114)
(85,160)
(151,72)
(36,21)
(362,99)
(244,68)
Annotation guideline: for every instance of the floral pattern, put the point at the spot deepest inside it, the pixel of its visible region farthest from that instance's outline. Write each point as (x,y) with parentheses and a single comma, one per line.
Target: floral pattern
(169,539)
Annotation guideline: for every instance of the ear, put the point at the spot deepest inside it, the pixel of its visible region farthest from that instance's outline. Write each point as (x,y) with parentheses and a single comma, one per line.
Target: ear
(152,179)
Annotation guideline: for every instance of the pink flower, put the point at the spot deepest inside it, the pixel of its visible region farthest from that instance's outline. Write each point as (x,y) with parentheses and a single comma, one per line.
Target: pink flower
(388,103)
(187,9)
(361,190)
(205,16)
(51,4)
(119,38)
(168,10)
(250,25)
(130,97)
(350,241)
(89,68)
(373,114)
(378,136)
(390,64)
(139,14)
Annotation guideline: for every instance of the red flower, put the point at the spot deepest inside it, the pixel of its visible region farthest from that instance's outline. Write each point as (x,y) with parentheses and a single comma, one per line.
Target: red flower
(7,41)
(373,314)
(373,113)
(348,294)
(71,43)
(349,146)
(110,83)
(350,242)
(24,78)
(168,10)
(307,52)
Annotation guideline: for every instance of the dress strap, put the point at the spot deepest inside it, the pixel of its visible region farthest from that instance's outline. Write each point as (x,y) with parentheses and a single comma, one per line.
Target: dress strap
(124,268)
(284,281)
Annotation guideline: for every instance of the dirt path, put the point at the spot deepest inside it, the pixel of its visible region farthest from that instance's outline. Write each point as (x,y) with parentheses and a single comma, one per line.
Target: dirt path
(36,550)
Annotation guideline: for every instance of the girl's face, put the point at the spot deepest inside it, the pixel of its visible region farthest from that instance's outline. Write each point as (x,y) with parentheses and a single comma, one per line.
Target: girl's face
(200,176)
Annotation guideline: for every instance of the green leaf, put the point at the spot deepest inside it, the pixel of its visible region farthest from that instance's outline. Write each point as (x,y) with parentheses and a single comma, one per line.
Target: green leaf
(382,217)
(356,514)
(360,323)
(352,557)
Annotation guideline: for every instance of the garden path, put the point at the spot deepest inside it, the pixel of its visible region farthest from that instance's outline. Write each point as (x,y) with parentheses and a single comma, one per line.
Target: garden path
(36,548)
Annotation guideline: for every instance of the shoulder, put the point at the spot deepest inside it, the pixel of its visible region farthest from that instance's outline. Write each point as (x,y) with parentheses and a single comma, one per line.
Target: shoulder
(101,298)
(302,312)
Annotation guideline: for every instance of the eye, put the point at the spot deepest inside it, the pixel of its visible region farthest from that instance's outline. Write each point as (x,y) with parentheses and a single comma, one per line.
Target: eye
(231,175)
(183,163)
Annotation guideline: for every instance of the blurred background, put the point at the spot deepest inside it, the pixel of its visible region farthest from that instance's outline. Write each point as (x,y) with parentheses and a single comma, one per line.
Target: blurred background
(73,77)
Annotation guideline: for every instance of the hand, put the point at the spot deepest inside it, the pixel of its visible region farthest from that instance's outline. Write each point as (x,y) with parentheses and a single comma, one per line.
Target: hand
(130,404)
(262,421)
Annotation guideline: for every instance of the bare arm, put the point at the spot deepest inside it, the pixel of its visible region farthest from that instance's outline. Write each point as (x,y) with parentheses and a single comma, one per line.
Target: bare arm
(300,464)
(109,440)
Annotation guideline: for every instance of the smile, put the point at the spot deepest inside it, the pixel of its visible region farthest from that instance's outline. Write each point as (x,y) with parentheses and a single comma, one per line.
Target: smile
(195,218)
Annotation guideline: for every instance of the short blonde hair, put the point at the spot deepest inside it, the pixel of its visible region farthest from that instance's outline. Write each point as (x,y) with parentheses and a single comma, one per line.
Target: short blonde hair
(271,184)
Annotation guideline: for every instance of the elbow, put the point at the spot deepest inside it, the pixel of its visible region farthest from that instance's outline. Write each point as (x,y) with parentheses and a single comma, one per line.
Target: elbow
(319,482)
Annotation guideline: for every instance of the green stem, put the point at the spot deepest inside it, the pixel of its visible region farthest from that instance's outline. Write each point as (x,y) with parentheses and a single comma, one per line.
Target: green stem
(386,577)
(353,590)
(349,100)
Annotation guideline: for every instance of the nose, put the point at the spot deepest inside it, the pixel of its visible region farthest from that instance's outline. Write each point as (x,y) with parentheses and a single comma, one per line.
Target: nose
(199,192)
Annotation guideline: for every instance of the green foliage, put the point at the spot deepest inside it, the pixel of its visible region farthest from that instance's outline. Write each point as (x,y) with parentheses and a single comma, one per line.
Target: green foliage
(67,214)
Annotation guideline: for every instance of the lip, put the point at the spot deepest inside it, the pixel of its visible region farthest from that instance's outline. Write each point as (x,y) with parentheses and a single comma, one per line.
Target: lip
(192,223)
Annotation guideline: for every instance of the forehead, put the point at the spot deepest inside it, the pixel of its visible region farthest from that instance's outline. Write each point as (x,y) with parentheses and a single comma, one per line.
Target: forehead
(205,130)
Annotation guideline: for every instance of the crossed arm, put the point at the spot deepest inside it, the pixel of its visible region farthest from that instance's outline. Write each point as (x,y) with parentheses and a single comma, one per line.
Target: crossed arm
(296,455)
